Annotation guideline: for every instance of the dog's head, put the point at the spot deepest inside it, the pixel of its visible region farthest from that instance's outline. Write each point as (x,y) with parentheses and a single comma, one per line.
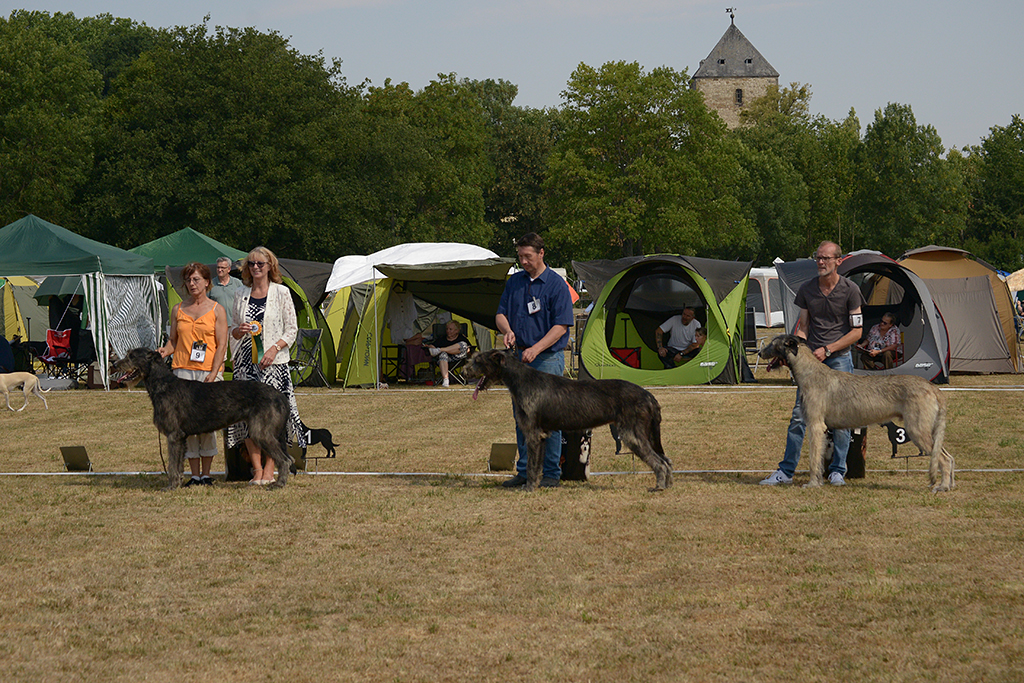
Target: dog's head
(486,367)
(135,366)
(778,351)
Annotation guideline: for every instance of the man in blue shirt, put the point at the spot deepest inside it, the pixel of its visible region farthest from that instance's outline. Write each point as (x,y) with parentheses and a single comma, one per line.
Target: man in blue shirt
(534,316)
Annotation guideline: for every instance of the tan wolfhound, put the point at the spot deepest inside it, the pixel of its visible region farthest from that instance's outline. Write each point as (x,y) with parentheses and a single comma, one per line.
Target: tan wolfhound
(839,400)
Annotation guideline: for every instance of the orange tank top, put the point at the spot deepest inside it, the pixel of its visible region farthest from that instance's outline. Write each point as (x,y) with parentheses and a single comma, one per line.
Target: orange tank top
(204,329)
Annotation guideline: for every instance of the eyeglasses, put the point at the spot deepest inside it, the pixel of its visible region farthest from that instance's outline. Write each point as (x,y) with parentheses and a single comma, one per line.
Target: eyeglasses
(257,264)
(195,280)
(823,258)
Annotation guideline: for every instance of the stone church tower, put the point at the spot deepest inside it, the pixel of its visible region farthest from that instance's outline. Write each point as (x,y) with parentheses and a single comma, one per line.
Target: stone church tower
(733,75)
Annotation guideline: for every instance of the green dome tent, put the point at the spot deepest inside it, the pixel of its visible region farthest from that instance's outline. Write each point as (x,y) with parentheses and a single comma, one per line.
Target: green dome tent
(638,294)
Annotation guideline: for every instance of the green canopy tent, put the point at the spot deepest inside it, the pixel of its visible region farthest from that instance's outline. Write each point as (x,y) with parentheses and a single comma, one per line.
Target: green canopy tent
(471,289)
(183,247)
(638,294)
(119,287)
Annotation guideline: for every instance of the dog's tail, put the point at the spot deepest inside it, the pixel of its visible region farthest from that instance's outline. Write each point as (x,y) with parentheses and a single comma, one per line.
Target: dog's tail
(655,427)
(45,391)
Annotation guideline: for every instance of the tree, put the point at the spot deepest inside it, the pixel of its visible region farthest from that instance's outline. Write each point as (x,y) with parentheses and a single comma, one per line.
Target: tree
(49,102)
(233,133)
(908,196)
(812,152)
(519,141)
(996,221)
(640,165)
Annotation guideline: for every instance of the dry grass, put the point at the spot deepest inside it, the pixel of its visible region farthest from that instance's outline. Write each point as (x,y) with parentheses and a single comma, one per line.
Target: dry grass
(444,578)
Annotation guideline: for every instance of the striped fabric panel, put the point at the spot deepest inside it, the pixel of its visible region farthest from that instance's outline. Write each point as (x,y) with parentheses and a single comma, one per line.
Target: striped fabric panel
(125,314)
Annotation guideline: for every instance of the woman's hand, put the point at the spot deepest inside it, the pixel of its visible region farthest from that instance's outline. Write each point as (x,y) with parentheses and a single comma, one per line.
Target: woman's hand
(268,357)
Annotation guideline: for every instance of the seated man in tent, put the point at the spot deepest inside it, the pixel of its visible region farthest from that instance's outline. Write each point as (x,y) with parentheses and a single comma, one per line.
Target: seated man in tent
(682,338)
(878,351)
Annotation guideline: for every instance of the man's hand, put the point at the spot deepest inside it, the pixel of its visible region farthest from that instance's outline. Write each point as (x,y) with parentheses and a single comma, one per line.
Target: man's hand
(529,355)
(819,353)
(510,339)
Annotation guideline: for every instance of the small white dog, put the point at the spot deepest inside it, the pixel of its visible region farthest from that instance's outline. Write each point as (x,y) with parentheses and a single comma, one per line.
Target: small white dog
(28,382)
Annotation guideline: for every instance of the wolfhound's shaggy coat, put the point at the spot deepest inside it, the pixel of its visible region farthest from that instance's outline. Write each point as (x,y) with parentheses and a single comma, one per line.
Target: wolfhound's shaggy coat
(839,400)
(182,408)
(544,403)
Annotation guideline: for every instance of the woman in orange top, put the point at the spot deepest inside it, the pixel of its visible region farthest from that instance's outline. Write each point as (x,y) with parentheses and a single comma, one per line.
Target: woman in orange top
(198,341)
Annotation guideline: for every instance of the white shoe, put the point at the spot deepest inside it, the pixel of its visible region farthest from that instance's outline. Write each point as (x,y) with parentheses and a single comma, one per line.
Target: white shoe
(445,382)
(836,479)
(776,478)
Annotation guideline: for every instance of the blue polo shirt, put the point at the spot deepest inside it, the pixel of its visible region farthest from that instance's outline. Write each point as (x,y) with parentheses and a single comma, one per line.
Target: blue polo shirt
(555,307)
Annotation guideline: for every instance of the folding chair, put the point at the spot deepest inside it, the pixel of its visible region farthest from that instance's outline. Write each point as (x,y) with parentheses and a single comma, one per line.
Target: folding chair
(57,361)
(455,365)
(305,361)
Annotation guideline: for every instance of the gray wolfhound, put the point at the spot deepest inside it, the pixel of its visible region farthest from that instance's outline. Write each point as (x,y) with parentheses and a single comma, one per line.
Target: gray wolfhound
(29,384)
(839,400)
(182,408)
(544,403)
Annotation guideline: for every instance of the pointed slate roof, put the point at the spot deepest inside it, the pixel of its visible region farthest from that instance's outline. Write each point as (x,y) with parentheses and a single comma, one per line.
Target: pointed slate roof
(735,57)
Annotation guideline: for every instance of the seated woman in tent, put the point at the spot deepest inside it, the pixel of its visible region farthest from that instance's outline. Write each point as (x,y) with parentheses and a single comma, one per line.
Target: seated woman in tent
(878,351)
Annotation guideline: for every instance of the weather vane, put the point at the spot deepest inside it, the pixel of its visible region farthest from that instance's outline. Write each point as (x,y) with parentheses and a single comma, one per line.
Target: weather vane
(732,13)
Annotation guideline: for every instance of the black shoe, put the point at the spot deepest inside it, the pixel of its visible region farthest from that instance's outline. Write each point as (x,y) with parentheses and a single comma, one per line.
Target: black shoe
(515,482)
(206,480)
(550,483)
(191,482)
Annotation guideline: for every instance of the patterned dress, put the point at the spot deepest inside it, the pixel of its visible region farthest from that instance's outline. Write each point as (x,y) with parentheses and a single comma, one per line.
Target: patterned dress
(277,376)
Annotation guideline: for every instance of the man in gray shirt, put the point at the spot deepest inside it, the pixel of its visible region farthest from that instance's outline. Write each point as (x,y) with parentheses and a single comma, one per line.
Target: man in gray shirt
(224,288)
(830,322)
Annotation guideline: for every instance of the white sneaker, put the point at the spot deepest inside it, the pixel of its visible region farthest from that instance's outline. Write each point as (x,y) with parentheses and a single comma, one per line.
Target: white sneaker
(836,479)
(445,382)
(776,478)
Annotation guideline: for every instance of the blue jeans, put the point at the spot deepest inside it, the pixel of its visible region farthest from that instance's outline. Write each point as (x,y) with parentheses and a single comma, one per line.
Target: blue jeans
(553,363)
(842,362)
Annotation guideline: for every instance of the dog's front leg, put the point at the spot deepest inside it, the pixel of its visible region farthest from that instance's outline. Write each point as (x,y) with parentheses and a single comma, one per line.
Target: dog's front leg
(816,452)
(175,460)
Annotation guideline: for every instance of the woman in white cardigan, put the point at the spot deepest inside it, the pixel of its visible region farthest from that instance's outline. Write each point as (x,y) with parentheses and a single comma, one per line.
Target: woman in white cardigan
(266,330)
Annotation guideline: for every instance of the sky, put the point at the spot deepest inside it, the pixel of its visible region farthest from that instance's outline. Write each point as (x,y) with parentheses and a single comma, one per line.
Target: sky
(952,61)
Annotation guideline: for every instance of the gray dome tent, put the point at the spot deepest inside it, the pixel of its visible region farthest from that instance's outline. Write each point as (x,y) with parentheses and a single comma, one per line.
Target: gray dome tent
(886,286)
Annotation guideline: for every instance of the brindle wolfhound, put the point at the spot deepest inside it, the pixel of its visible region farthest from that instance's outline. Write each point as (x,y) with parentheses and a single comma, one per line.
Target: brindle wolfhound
(182,408)
(544,403)
(839,400)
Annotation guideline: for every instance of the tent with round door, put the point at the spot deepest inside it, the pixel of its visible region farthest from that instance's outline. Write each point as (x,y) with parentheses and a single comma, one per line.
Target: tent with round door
(886,286)
(638,294)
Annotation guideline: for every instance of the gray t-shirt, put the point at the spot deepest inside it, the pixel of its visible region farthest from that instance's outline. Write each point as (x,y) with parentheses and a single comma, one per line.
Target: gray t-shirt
(225,295)
(829,316)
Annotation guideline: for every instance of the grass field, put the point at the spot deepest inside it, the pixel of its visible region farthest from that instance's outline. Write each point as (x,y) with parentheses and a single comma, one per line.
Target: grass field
(448,577)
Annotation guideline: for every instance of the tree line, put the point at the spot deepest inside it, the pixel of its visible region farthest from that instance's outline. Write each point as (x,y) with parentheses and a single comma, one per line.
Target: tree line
(125,133)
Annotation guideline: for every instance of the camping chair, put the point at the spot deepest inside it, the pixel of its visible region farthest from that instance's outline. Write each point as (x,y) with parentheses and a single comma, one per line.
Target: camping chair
(57,360)
(305,361)
(455,365)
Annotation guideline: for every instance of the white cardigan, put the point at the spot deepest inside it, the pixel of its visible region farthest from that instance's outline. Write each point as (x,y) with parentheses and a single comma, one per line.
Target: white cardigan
(279,322)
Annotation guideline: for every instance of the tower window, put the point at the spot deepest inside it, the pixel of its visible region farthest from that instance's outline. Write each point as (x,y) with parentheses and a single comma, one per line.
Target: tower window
(739,97)
(721,61)
(748,60)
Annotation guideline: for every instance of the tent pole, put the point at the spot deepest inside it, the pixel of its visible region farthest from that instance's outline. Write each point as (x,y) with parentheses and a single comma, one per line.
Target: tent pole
(376,338)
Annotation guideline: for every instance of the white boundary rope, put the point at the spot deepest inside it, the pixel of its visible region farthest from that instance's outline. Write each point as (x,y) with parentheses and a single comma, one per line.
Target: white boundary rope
(468,475)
